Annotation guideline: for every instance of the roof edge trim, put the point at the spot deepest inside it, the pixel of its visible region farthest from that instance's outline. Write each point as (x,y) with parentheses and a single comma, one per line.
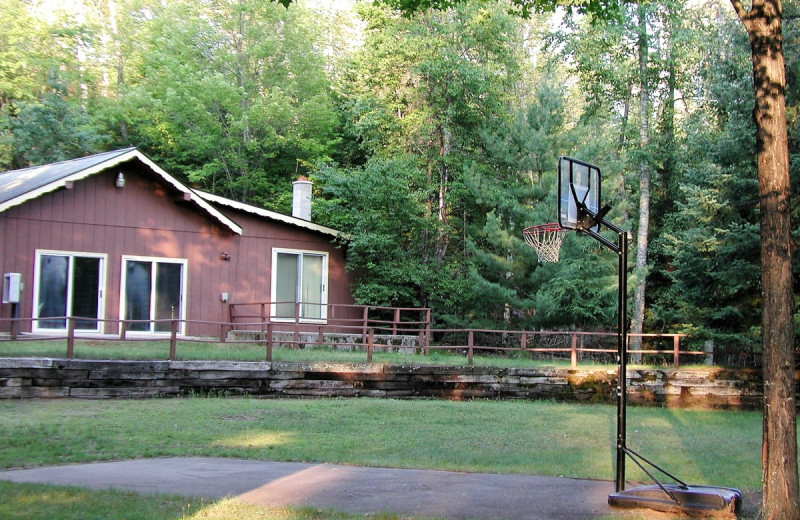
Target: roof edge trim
(272,215)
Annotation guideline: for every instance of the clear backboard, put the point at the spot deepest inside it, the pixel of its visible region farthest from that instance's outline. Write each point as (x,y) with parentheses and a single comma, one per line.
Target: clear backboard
(578,190)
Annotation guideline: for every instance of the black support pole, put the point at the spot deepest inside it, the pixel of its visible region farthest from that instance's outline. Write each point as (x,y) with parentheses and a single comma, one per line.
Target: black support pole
(621,248)
(622,359)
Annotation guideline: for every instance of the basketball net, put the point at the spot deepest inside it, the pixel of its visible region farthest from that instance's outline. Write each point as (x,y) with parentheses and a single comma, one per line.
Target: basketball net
(546,240)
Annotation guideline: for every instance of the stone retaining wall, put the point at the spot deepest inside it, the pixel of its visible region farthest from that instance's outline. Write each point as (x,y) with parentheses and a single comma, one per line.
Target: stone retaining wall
(91,379)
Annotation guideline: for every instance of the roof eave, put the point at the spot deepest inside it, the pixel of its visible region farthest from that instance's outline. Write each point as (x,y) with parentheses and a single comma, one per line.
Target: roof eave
(272,215)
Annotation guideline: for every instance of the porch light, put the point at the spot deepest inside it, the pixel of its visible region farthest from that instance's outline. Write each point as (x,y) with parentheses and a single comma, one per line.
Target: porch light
(120,182)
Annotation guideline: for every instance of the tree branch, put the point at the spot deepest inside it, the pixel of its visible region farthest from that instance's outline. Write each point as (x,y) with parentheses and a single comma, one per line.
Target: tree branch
(742,13)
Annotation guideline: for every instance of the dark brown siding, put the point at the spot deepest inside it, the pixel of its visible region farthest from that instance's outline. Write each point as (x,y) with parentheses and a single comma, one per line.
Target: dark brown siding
(147,218)
(252,270)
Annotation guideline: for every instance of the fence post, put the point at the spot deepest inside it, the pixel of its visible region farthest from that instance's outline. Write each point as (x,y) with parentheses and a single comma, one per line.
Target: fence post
(268,338)
(297,325)
(573,353)
(370,344)
(123,330)
(396,321)
(70,337)
(427,330)
(708,348)
(523,342)
(364,325)
(470,345)
(320,337)
(676,348)
(173,339)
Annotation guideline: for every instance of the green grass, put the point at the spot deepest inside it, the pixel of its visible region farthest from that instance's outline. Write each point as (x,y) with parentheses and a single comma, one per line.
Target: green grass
(545,438)
(244,351)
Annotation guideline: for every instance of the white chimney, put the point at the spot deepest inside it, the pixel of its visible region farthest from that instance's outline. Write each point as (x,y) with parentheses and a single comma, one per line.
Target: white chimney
(301,198)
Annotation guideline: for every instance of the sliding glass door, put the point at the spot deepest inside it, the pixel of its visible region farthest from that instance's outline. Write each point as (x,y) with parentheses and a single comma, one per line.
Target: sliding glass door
(68,285)
(153,293)
(299,277)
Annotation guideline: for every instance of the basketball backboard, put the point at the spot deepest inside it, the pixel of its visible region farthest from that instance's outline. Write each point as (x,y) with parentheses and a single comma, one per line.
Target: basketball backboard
(578,190)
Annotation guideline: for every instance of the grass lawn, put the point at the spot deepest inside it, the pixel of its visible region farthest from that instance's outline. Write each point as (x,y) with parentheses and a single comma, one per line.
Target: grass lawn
(701,447)
(246,351)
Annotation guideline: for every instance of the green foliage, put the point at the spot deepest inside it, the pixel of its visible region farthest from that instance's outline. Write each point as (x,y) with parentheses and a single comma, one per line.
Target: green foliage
(52,130)
(234,98)
(709,246)
(384,220)
(524,8)
(424,92)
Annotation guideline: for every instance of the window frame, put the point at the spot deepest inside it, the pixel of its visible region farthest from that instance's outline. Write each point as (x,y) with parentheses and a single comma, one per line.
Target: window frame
(184,285)
(101,287)
(300,253)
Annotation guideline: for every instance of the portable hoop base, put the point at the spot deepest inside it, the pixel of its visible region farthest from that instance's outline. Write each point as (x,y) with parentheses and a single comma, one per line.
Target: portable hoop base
(703,501)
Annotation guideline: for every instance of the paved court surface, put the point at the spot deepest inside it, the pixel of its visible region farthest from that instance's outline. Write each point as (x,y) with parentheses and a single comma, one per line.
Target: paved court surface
(445,494)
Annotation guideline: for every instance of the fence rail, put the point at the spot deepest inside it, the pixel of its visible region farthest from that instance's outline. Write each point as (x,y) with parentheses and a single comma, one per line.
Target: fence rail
(369,336)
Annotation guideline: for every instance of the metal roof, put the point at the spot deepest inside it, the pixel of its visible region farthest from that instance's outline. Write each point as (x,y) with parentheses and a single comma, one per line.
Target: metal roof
(16,184)
(20,186)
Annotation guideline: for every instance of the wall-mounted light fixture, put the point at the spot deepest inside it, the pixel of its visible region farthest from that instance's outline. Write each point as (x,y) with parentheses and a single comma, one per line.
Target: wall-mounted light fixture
(225,256)
(120,182)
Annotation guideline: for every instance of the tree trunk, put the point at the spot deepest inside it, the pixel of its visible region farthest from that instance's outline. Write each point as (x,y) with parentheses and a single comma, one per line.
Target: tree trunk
(779,442)
(642,236)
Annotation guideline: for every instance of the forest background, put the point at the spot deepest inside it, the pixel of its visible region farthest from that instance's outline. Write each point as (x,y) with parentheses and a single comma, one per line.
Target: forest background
(432,139)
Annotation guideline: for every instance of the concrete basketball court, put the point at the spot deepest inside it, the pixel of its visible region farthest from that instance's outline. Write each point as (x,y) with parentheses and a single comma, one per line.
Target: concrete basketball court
(437,494)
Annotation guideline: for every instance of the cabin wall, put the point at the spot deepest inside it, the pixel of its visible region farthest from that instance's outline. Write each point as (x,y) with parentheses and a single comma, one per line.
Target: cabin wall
(149,218)
(252,264)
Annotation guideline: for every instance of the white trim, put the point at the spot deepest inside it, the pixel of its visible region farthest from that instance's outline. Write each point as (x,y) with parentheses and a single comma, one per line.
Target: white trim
(124,156)
(184,288)
(274,283)
(103,257)
(293,221)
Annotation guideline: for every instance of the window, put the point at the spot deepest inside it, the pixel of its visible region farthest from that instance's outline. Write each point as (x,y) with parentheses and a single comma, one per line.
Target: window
(299,277)
(68,284)
(153,289)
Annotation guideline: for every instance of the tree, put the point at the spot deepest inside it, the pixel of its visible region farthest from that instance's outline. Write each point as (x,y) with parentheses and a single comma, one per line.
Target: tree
(427,89)
(779,460)
(645,175)
(707,249)
(232,96)
(53,129)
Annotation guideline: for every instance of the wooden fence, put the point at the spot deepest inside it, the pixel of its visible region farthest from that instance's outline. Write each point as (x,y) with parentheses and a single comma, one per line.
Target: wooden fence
(370,335)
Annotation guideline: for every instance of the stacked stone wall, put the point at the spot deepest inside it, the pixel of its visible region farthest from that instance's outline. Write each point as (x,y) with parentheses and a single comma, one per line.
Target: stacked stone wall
(712,388)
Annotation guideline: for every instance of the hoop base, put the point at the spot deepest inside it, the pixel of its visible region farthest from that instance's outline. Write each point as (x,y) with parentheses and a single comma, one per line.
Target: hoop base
(707,501)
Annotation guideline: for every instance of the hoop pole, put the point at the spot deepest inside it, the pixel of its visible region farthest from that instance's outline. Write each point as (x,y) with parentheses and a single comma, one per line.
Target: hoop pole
(621,248)
(622,360)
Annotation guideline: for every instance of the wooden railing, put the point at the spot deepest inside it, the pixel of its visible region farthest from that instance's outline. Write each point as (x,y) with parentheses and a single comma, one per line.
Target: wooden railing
(365,316)
(366,333)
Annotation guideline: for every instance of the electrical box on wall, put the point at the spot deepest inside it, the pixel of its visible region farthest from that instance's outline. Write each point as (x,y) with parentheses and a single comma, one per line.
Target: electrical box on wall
(12,287)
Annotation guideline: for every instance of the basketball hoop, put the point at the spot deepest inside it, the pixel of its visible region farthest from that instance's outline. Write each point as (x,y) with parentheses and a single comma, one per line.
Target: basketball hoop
(546,240)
